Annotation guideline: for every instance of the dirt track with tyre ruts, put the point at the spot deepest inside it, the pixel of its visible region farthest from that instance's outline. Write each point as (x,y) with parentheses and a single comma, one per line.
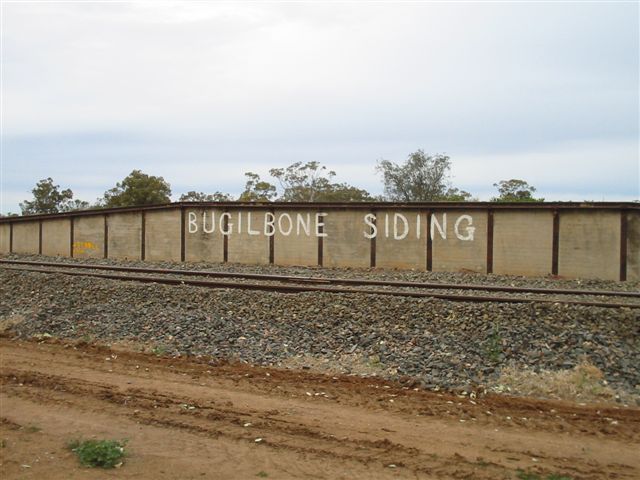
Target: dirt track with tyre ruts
(189,418)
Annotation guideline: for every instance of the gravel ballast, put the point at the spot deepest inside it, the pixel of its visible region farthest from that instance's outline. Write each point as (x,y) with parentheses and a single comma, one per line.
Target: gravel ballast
(440,343)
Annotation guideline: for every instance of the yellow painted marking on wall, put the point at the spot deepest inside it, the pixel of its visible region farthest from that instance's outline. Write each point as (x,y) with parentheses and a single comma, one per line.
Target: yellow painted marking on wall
(83,247)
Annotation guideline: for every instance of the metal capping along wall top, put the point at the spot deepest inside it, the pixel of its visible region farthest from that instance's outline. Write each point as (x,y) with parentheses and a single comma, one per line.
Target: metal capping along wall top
(596,240)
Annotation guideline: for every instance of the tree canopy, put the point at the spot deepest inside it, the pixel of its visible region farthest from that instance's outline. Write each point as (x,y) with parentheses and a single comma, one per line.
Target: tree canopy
(343,192)
(515,190)
(138,189)
(48,198)
(302,182)
(421,178)
(257,190)
(194,196)
(312,182)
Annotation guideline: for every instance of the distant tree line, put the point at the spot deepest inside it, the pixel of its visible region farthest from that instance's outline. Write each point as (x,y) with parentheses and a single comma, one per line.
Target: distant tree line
(421,178)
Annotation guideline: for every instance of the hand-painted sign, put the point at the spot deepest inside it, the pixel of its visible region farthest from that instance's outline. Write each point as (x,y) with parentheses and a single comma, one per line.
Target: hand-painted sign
(390,225)
(83,247)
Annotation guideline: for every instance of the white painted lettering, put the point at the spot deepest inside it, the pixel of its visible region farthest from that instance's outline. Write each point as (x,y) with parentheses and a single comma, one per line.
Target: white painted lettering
(249,231)
(228,228)
(193,225)
(441,228)
(370,219)
(397,225)
(305,226)
(204,222)
(470,228)
(269,225)
(320,224)
(405,223)
(284,232)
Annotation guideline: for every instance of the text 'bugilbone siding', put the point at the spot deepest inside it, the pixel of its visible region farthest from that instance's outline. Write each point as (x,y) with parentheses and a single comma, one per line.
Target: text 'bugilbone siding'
(390,225)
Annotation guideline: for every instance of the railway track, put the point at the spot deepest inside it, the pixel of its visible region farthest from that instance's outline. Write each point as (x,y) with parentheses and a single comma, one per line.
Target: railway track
(298,284)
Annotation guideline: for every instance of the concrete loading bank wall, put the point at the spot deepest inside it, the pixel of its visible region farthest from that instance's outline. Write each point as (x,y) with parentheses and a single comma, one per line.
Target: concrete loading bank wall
(570,240)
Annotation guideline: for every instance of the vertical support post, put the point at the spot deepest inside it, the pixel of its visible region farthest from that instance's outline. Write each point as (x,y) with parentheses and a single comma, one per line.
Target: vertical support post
(624,226)
(106,236)
(320,245)
(71,236)
(555,243)
(11,237)
(182,235)
(372,252)
(489,241)
(225,238)
(272,240)
(143,235)
(40,237)
(429,243)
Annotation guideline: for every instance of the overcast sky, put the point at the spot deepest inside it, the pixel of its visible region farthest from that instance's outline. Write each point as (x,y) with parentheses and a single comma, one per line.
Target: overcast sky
(200,93)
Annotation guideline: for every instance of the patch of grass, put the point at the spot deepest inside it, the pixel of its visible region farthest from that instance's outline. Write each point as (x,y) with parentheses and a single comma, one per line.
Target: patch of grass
(493,344)
(159,350)
(32,429)
(584,382)
(262,474)
(99,453)
(522,475)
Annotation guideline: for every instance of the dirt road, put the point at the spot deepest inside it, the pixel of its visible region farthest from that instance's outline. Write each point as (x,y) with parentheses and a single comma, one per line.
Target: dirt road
(191,419)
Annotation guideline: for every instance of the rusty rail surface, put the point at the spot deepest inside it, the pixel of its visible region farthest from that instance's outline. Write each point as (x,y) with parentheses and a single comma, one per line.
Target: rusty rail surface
(306,284)
(330,280)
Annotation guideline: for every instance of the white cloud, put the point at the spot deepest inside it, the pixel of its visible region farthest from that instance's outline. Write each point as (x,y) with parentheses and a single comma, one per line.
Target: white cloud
(203,92)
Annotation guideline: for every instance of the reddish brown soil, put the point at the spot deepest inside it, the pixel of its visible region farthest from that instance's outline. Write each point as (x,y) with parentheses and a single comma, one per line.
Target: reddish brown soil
(185,418)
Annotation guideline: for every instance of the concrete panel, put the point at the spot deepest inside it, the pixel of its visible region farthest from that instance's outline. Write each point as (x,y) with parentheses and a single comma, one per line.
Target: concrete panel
(633,246)
(125,230)
(522,242)
(56,237)
(88,237)
(243,246)
(452,254)
(589,245)
(162,235)
(589,242)
(295,241)
(345,244)
(400,244)
(26,237)
(4,237)
(201,246)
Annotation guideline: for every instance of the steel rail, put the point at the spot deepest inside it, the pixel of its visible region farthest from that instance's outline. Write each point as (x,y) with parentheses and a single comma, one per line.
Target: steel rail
(330,280)
(314,288)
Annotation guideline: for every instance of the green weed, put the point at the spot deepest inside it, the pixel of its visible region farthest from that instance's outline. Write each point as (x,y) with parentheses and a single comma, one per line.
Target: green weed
(527,476)
(493,344)
(159,350)
(522,475)
(99,453)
